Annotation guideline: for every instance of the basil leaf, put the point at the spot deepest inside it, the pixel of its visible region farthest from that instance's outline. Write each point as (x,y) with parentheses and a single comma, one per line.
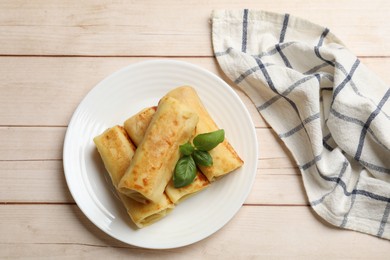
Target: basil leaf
(185,172)
(208,141)
(186,149)
(202,158)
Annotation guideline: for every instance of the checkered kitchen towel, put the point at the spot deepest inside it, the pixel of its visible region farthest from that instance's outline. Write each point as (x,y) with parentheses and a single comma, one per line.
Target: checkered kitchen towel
(328,108)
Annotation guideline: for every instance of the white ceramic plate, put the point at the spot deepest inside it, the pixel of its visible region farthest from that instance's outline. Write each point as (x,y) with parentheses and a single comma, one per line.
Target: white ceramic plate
(123,94)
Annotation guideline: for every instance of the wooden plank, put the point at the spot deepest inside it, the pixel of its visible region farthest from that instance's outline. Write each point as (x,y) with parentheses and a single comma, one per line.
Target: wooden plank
(33,182)
(276,163)
(270,145)
(52,87)
(31,143)
(277,190)
(169,27)
(46,143)
(44,182)
(255,232)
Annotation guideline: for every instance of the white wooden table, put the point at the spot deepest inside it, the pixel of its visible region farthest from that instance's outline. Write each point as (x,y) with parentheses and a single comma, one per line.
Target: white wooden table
(53,52)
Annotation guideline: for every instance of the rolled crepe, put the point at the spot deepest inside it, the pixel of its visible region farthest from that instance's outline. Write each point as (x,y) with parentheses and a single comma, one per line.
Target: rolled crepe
(177,195)
(136,125)
(155,158)
(225,158)
(146,214)
(116,151)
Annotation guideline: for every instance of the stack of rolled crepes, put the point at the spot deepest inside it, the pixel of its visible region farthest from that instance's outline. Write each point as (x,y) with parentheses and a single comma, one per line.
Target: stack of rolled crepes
(141,156)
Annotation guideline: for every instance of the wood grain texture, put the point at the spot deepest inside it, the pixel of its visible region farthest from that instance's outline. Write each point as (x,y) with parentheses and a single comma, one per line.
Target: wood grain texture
(270,232)
(31,143)
(46,143)
(44,182)
(135,28)
(52,87)
(53,52)
(33,182)
(46,90)
(31,168)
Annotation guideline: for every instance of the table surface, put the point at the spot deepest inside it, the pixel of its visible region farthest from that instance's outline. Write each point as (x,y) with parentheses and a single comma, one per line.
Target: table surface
(53,52)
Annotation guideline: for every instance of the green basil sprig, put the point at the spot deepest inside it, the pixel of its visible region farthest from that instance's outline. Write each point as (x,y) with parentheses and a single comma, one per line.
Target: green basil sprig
(208,141)
(202,158)
(186,149)
(185,172)
(185,169)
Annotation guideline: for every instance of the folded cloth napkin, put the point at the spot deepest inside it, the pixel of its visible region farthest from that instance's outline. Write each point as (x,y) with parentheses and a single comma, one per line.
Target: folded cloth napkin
(331,112)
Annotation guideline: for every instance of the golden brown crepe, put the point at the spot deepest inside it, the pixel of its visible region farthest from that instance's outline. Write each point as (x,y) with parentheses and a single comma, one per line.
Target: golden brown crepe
(145,214)
(116,151)
(136,125)
(155,158)
(177,195)
(225,158)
